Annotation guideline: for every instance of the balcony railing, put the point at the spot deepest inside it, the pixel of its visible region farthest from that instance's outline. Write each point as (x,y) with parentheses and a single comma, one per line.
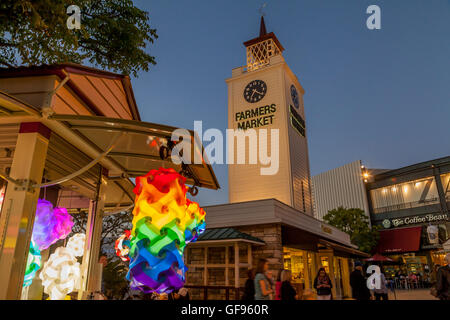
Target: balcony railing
(408,205)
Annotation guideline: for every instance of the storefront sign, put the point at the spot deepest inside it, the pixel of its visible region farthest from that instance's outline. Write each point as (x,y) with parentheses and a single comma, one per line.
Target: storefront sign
(255,118)
(397,222)
(326,229)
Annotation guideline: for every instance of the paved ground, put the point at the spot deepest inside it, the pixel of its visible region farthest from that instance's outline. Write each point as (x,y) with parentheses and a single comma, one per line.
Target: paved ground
(415,294)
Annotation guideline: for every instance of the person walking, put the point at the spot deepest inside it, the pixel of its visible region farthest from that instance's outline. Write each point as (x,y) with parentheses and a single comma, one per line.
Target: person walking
(443,280)
(249,289)
(263,289)
(287,291)
(323,285)
(269,276)
(359,284)
(278,286)
(382,293)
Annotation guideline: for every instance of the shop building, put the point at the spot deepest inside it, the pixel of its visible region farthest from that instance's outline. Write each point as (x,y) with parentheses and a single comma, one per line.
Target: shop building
(409,204)
(269,216)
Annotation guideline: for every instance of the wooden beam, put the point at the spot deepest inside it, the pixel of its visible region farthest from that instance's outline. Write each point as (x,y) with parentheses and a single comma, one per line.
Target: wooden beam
(205,268)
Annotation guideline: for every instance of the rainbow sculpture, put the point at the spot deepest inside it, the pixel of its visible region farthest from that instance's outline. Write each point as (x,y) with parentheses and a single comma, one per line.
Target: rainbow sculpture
(164,222)
(50,225)
(33,264)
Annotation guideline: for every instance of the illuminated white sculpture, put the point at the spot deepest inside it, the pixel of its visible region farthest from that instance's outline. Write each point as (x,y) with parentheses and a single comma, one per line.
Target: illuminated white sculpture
(76,244)
(61,273)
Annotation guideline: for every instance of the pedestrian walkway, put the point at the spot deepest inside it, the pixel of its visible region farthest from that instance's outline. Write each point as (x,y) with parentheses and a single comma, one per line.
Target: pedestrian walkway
(416,294)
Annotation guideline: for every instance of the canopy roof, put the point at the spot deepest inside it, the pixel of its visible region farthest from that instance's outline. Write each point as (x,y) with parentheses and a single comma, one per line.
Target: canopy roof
(224,234)
(133,152)
(77,140)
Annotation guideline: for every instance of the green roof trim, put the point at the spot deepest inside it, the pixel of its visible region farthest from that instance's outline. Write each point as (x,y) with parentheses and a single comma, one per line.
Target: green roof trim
(218,234)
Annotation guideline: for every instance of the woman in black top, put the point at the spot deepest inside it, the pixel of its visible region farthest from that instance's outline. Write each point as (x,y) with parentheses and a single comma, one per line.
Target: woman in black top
(287,291)
(322,284)
(249,290)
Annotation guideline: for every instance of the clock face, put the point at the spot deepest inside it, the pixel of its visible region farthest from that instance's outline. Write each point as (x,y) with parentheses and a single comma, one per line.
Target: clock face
(294,96)
(255,91)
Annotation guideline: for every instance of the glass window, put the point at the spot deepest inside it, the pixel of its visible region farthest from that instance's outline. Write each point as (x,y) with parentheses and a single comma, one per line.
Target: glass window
(294,260)
(325,264)
(406,195)
(445,178)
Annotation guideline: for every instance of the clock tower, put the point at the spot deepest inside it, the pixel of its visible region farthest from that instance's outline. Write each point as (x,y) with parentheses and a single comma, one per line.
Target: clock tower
(266,94)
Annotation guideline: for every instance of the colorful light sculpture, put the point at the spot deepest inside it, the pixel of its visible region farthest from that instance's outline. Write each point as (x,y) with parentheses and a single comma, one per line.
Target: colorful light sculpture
(50,225)
(164,222)
(122,246)
(76,244)
(33,264)
(61,273)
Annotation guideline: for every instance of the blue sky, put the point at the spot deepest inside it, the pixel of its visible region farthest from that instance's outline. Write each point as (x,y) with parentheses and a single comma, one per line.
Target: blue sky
(382,96)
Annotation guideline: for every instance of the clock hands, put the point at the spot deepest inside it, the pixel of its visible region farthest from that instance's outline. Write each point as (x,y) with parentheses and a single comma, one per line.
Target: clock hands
(256,91)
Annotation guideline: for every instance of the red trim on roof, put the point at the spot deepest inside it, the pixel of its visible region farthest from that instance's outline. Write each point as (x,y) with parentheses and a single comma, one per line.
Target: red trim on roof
(59,69)
(399,240)
(32,127)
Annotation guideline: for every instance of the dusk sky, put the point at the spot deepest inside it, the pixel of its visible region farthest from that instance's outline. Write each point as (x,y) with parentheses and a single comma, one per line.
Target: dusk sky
(380,96)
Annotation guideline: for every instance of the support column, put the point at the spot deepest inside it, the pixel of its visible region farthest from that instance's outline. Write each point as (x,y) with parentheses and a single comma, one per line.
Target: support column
(440,189)
(17,218)
(250,256)
(227,281)
(205,269)
(307,274)
(236,265)
(90,265)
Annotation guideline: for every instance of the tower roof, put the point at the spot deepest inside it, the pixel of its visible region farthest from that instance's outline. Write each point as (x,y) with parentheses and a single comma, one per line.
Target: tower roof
(263,35)
(262,28)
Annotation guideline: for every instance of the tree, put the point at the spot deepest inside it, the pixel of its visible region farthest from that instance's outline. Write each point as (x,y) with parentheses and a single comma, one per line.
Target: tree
(113,34)
(114,273)
(355,223)
(113,227)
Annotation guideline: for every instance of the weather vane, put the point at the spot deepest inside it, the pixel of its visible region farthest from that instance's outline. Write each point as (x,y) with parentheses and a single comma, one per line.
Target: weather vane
(262,8)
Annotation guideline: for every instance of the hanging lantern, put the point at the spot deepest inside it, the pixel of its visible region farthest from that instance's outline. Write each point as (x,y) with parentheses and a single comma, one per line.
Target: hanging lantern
(51,224)
(122,246)
(61,273)
(164,222)
(76,244)
(33,264)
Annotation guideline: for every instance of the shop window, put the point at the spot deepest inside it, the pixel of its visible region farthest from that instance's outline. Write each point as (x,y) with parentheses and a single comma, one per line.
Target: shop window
(216,255)
(325,264)
(445,179)
(411,194)
(294,260)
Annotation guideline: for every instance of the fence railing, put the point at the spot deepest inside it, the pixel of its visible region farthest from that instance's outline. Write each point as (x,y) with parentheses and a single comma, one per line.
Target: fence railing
(230,291)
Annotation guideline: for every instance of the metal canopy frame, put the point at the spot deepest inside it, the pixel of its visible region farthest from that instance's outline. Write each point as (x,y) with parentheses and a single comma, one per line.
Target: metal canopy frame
(107,126)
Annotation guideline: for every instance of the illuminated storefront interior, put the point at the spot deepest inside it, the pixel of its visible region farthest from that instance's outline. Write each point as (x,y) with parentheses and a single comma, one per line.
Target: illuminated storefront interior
(411,194)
